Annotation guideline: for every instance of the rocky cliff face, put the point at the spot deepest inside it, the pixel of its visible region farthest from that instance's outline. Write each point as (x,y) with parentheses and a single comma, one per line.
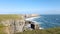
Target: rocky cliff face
(13,25)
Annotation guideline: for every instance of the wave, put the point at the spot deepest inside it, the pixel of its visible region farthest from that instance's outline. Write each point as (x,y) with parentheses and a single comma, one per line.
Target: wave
(35,22)
(32,18)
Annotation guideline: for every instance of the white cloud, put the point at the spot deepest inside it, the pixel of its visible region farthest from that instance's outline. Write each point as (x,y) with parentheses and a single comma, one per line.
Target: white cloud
(18,10)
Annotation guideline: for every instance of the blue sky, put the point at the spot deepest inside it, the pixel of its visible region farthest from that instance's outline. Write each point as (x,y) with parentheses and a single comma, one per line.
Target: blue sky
(29,6)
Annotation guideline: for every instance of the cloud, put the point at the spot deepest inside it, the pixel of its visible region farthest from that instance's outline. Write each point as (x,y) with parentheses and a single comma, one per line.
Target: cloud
(18,10)
(29,11)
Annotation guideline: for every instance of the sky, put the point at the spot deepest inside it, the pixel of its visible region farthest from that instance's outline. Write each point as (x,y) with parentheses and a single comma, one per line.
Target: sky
(29,6)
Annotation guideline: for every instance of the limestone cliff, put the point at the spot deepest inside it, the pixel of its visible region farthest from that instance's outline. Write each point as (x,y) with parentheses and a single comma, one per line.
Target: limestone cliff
(15,23)
(12,23)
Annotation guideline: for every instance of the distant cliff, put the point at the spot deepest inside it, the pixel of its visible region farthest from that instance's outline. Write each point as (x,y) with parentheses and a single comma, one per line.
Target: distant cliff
(31,15)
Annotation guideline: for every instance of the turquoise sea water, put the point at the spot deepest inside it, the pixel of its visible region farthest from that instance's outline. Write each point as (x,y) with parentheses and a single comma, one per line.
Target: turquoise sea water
(48,21)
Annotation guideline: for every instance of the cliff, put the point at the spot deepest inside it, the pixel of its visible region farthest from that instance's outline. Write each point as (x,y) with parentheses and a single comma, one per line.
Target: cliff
(30,15)
(11,22)
(14,23)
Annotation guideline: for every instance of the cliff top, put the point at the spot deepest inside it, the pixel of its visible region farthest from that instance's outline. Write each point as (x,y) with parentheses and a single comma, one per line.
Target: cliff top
(15,16)
(10,16)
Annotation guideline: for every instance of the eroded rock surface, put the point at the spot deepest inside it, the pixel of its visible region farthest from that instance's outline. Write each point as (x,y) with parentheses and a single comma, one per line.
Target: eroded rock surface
(13,26)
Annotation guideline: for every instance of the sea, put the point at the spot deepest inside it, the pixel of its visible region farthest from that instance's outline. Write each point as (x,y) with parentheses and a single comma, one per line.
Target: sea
(48,21)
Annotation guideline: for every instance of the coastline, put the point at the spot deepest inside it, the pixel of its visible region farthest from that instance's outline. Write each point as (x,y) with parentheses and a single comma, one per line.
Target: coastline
(32,20)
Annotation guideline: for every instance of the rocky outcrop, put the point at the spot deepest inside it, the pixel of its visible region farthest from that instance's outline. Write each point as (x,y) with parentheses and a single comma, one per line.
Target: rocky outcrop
(13,26)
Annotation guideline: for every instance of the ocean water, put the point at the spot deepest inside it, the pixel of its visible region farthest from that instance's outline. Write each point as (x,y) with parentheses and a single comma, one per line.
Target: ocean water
(48,21)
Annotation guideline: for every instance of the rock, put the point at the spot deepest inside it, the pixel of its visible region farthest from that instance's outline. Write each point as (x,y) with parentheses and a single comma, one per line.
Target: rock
(31,15)
(18,25)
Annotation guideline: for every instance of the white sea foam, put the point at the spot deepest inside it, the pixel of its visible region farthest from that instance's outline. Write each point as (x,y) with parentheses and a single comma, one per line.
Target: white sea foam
(32,19)
(41,28)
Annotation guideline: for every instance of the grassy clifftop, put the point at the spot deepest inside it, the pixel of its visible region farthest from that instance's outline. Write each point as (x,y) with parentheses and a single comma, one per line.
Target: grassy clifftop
(10,16)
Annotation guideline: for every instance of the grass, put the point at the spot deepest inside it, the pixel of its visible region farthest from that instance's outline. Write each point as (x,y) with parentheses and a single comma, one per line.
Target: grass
(44,31)
(10,16)
(2,29)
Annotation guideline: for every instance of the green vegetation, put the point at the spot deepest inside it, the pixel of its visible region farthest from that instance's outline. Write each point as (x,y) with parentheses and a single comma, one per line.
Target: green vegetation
(9,16)
(2,29)
(44,31)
